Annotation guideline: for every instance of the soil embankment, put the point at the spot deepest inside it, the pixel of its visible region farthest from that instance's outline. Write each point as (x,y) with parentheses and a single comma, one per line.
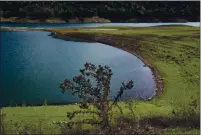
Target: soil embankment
(126,43)
(94,19)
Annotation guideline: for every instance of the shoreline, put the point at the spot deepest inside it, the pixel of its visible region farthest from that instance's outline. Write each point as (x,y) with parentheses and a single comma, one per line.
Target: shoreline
(159,46)
(156,74)
(95,19)
(85,37)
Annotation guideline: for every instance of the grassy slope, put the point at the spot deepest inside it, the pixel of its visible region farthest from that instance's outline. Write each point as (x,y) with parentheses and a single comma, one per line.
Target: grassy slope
(174,50)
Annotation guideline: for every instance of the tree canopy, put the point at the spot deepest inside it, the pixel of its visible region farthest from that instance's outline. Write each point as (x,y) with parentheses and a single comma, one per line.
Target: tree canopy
(108,9)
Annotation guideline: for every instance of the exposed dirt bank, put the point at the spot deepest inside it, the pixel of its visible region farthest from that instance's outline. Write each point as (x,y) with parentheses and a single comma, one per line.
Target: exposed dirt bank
(94,19)
(126,43)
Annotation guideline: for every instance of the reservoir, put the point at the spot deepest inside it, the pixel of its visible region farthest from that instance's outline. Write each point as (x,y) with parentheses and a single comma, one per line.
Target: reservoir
(34,63)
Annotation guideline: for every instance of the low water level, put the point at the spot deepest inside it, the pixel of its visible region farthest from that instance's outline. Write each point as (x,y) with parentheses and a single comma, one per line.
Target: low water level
(33,64)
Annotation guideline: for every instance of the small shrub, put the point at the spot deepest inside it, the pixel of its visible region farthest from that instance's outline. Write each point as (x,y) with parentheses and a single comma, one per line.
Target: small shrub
(95,95)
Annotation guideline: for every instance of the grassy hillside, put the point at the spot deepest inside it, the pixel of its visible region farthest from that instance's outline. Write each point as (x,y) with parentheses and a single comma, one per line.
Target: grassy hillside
(173,50)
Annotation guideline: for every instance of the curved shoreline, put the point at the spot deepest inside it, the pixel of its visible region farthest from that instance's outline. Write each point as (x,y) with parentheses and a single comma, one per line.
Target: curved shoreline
(156,74)
(85,37)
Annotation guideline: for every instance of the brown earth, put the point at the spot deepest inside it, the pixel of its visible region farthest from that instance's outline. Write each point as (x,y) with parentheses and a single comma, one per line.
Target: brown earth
(94,19)
(126,43)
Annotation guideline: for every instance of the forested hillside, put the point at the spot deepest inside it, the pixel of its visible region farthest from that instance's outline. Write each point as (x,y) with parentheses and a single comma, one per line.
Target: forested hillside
(115,11)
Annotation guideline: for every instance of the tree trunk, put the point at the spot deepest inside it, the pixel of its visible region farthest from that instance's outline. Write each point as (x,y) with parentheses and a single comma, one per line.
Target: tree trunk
(105,116)
(105,106)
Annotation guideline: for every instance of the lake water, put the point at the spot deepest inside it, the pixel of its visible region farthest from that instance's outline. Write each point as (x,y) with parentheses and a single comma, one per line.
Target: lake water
(66,25)
(34,63)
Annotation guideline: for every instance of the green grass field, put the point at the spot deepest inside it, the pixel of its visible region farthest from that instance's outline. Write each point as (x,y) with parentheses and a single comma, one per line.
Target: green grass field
(173,50)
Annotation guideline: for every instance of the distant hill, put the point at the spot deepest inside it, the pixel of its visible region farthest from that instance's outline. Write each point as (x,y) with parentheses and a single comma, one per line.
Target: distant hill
(116,11)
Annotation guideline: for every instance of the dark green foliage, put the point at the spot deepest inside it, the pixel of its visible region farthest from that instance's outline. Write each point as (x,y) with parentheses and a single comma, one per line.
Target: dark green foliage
(114,10)
(41,13)
(1,13)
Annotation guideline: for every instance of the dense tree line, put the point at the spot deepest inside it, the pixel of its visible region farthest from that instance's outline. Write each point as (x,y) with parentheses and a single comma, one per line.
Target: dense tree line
(107,9)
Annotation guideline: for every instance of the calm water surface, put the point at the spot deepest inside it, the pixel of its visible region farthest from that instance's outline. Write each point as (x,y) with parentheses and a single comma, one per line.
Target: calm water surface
(33,64)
